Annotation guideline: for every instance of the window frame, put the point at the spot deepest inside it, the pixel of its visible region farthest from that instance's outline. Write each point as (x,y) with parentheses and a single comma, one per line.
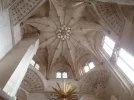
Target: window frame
(35,66)
(58,75)
(62,75)
(104,51)
(127,84)
(125,62)
(88,64)
(88,69)
(32,63)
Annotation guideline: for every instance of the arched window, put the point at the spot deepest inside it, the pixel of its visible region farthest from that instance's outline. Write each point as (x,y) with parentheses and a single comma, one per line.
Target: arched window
(86,69)
(64,75)
(108,45)
(34,64)
(125,62)
(89,66)
(122,58)
(61,75)
(58,75)
(37,66)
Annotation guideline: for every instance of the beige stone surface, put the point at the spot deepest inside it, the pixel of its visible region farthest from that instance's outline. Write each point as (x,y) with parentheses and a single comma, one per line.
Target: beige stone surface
(70,34)
(9,63)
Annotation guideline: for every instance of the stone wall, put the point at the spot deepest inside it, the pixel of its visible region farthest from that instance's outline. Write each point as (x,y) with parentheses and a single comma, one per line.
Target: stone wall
(5,34)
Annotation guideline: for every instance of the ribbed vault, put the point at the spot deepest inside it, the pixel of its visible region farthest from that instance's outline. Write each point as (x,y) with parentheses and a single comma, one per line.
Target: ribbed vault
(66,31)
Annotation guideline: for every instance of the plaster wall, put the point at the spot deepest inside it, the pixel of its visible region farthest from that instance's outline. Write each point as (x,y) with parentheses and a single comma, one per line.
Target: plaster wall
(131,39)
(5,34)
(17,33)
(127,38)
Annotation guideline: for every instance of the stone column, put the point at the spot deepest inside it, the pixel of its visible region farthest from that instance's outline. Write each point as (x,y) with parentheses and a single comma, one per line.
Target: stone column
(17,76)
(13,70)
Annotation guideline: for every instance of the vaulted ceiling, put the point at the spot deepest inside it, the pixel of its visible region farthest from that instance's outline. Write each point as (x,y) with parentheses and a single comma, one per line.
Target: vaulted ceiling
(8,3)
(70,33)
(67,30)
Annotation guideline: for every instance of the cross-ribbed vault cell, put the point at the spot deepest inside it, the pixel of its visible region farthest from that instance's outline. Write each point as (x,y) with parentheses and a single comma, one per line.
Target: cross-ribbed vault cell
(32,82)
(67,30)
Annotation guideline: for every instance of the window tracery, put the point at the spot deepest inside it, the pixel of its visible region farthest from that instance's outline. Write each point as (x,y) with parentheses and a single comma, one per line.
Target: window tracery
(61,75)
(122,61)
(125,62)
(58,75)
(88,67)
(108,45)
(34,64)
(37,66)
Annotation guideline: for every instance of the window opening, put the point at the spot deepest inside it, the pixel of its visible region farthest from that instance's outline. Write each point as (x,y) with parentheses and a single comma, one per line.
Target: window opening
(37,66)
(58,75)
(125,62)
(64,75)
(89,66)
(108,45)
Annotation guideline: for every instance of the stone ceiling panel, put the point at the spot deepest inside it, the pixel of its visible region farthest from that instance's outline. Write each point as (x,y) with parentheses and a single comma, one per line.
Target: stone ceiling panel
(112,15)
(22,8)
(32,82)
(7,3)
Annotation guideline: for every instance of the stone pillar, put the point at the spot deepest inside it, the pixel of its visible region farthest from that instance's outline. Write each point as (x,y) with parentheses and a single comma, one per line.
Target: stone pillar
(17,76)
(13,70)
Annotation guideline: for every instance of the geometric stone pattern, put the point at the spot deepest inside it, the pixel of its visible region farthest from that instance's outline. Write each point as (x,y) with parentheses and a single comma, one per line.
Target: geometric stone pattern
(94,82)
(63,32)
(7,3)
(32,82)
(22,8)
(112,15)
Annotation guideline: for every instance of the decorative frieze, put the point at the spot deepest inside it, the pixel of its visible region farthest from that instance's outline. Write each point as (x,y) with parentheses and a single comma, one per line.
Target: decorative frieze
(22,8)
(32,83)
(112,15)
